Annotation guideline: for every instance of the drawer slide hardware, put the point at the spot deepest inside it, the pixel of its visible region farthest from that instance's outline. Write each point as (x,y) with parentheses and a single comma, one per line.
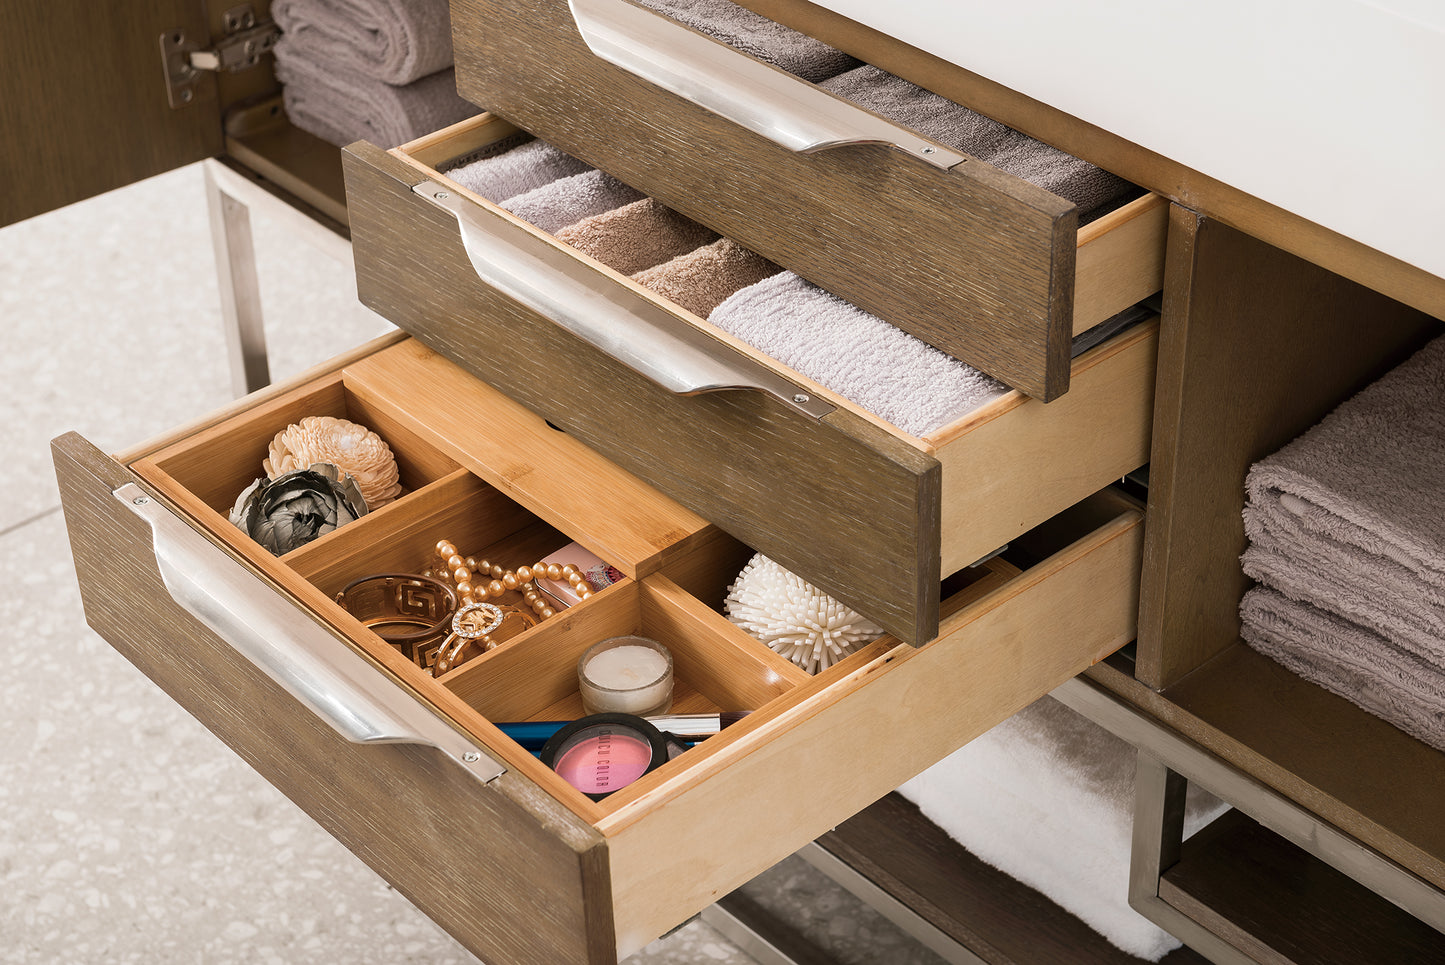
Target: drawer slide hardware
(636,332)
(754,95)
(186,61)
(335,682)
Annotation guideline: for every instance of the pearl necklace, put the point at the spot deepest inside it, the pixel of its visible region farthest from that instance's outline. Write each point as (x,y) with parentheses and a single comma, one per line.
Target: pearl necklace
(477,581)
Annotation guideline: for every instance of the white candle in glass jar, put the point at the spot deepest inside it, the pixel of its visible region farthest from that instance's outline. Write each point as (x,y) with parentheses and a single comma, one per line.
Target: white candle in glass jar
(626,675)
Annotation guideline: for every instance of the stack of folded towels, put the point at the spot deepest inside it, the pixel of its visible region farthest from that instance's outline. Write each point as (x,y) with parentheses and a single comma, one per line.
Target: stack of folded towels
(375,70)
(1346,529)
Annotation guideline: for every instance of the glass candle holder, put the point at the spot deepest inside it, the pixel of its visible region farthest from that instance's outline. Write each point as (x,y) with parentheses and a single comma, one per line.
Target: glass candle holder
(626,675)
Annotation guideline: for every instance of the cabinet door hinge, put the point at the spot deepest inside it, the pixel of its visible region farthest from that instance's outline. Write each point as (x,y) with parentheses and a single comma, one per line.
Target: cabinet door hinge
(241,47)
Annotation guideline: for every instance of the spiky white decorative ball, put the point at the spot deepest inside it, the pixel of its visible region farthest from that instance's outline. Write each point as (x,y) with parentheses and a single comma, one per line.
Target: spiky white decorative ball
(795,618)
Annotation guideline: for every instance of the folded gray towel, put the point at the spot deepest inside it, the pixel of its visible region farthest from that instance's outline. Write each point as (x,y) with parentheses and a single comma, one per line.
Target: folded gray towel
(524,168)
(568,200)
(1348,660)
(1093,189)
(339,107)
(396,41)
(636,236)
(754,34)
(884,370)
(701,280)
(1351,515)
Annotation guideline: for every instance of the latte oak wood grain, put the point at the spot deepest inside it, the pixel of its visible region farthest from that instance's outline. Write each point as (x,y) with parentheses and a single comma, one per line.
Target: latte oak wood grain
(840,500)
(972,260)
(83,101)
(528,881)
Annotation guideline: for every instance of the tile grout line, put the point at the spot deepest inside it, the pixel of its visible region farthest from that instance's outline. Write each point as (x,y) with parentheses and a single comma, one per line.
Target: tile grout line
(34,518)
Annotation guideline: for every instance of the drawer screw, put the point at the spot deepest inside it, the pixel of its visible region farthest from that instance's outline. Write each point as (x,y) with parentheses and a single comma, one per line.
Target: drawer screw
(800,398)
(140,500)
(929,150)
(441,195)
(471,757)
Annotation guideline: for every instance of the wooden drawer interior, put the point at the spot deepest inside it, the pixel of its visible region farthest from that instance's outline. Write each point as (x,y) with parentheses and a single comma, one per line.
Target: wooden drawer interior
(672,590)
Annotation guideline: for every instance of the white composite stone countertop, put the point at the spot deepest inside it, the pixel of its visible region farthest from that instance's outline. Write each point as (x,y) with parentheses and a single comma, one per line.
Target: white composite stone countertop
(1331,109)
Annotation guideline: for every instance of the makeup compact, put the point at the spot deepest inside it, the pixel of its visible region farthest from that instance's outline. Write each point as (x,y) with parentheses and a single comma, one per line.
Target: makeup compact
(605,752)
(626,675)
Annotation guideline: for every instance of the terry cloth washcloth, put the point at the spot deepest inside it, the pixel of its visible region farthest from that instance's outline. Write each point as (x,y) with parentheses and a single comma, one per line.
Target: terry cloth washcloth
(754,34)
(568,200)
(1348,660)
(1351,515)
(924,112)
(340,108)
(861,357)
(1019,795)
(524,168)
(636,236)
(394,41)
(701,279)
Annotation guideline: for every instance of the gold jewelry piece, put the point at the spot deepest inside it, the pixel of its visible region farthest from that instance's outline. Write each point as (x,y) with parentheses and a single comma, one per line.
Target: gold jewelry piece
(410,612)
(483,583)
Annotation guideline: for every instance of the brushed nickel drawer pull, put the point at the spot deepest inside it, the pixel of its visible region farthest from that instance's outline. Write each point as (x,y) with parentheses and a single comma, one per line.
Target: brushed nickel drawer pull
(785,109)
(636,332)
(338,684)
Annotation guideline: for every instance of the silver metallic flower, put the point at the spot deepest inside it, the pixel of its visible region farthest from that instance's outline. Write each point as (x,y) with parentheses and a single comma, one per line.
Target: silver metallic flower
(298,506)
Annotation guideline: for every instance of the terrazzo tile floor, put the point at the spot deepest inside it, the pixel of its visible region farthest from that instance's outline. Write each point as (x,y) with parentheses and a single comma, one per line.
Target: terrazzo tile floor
(127,832)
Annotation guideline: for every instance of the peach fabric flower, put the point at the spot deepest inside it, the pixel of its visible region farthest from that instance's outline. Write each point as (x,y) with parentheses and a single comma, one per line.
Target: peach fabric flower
(355,449)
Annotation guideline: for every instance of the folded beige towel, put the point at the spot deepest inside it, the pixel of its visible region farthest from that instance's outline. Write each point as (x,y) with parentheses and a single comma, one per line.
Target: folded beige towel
(395,41)
(701,280)
(636,236)
(567,201)
(524,168)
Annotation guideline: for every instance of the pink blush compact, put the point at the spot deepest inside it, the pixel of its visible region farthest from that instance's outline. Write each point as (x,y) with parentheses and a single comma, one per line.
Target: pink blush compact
(605,752)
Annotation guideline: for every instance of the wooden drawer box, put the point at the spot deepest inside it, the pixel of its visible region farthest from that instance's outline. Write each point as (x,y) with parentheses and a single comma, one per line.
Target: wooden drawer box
(413,775)
(988,267)
(868,512)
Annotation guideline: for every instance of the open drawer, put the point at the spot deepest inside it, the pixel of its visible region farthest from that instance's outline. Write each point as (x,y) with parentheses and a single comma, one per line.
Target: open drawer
(411,770)
(870,513)
(986,266)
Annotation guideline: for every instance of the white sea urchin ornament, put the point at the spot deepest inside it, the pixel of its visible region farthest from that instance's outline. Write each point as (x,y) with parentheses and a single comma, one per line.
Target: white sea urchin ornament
(795,618)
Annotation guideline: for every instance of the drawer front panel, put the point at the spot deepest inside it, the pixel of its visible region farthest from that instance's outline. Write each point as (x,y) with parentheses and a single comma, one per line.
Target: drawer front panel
(972,260)
(837,500)
(504,868)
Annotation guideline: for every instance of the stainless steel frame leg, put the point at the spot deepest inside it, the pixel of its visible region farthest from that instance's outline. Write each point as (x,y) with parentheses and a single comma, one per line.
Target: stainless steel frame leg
(240,290)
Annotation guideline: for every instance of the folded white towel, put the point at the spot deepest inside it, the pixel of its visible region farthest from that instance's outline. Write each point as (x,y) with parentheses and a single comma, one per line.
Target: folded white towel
(1048,797)
(395,41)
(884,370)
(524,168)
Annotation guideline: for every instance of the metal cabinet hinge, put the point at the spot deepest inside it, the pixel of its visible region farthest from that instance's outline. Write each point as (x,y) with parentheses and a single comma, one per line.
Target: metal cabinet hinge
(241,47)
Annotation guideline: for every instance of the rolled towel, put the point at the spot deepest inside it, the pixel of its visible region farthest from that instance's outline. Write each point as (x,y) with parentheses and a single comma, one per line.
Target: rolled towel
(754,34)
(1348,660)
(568,200)
(339,107)
(636,236)
(886,371)
(524,168)
(1017,797)
(701,279)
(1350,516)
(1093,189)
(395,41)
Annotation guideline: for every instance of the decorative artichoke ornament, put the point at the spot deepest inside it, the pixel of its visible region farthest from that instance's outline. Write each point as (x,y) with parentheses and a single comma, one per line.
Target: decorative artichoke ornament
(298,506)
(354,449)
(795,618)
